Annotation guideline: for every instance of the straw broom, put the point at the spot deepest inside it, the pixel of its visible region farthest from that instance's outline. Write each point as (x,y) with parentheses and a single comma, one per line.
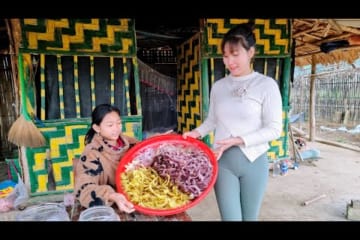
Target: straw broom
(23,132)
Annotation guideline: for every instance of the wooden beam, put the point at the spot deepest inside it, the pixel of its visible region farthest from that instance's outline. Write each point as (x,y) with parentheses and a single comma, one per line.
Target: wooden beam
(308,54)
(337,144)
(312,36)
(341,37)
(303,43)
(327,29)
(336,26)
(335,50)
(350,29)
(298,34)
(316,25)
(311,45)
(305,22)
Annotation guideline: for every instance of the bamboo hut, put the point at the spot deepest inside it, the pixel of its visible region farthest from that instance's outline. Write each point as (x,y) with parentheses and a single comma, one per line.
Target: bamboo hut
(63,61)
(61,74)
(329,42)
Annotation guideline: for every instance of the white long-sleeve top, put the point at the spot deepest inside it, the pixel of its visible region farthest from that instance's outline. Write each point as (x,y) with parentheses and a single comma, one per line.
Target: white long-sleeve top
(249,107)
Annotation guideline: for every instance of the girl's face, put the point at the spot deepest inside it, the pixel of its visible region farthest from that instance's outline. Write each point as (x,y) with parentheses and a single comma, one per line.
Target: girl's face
(110,127)
(237,59)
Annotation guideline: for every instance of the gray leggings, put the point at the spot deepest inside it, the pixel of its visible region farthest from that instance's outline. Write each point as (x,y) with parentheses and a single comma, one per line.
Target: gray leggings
(240,185)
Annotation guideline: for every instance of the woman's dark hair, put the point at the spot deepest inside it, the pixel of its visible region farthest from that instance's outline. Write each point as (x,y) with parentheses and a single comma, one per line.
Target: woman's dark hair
(241,34)
(97,116)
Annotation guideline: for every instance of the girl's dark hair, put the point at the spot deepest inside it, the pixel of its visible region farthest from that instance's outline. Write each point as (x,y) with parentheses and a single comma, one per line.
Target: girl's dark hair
(97,116)
(241,34)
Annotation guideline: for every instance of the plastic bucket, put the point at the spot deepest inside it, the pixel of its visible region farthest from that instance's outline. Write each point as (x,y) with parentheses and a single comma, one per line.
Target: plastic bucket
(44,212)
(99,213)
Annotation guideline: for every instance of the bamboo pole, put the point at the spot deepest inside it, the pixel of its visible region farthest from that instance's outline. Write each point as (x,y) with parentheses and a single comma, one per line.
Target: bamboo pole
(298,132)
(307,202)
(337,144)
(312,122)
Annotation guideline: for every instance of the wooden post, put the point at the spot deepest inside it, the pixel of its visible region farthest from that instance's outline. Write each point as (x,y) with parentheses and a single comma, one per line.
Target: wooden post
(346,111)
(312,122)
(205,92)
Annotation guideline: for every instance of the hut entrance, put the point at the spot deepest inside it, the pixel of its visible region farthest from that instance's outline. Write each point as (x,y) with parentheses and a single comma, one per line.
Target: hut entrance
(157,41)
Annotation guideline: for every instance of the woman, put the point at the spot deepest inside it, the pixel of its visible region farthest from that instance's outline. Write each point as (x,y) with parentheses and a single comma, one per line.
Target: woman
(105,145)
(246,113)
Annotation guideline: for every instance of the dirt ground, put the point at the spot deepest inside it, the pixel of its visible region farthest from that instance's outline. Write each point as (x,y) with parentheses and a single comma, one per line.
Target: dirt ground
(334,178)
(336,175)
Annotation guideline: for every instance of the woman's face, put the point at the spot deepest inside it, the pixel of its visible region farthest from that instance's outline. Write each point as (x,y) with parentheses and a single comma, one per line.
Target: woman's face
(237,59)
(110,127)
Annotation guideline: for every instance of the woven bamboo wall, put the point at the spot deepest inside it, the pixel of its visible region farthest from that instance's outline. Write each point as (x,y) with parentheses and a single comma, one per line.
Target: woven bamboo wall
(52,50)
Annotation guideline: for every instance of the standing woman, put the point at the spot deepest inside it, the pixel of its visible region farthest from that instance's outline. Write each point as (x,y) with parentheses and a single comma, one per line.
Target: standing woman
(246,113)
(105,144)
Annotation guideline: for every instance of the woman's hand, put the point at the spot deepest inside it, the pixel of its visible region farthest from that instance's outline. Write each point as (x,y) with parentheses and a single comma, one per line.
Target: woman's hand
(122,203)
(164,133)
(226,144)
(193,134)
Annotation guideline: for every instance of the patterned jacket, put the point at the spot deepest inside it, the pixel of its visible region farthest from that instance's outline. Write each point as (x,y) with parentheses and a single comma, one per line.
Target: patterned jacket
(96,169)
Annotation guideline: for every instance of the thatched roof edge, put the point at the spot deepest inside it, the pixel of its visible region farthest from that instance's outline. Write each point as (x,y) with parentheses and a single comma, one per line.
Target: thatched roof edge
(348,55)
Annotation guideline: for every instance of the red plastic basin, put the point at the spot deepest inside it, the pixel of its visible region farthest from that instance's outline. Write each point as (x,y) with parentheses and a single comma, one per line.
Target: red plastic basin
(154,142)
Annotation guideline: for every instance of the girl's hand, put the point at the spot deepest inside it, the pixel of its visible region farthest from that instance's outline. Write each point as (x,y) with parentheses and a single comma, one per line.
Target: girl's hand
(193,134)
(122,203)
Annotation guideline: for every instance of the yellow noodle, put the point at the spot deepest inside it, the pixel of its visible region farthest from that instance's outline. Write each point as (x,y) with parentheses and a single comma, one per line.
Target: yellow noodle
(146,188)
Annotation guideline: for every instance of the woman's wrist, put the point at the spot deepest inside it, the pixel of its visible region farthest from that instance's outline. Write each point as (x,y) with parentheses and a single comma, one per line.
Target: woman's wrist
(193,134)
(197,134)
(239,141)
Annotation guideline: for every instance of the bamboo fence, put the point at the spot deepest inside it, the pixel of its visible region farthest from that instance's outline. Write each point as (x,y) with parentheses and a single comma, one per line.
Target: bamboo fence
(337,96)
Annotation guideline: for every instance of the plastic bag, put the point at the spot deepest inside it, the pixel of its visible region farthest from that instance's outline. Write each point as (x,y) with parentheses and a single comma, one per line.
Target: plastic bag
(17,197)
(44,212)
(6,188)
(22,193)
